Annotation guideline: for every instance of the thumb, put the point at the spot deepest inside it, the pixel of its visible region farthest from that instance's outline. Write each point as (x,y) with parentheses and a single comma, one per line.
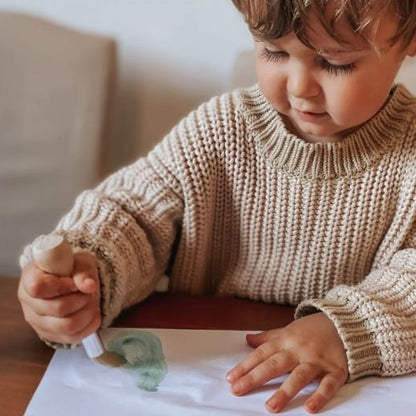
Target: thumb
(255,340)
(85,273)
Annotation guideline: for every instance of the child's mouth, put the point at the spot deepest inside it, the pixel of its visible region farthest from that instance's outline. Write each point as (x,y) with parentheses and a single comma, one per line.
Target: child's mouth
(310,115)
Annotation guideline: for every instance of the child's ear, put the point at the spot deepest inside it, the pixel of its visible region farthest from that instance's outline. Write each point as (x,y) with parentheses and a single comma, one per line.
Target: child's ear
(411,50)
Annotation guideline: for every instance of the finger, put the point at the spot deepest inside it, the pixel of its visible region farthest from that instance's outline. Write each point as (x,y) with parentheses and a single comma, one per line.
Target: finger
(90,328)
(60,306)
(37,284)
(75,338)
(327,389)
(85,272)
(260,354)
(301,376)
(274,366)
(255,340)
(70,329)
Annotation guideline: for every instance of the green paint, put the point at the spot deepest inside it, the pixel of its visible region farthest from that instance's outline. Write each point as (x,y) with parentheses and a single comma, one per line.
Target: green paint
(144,357)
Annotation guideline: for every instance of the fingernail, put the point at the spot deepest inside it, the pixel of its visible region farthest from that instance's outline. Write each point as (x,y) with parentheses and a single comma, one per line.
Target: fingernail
(273,405)
(311,406)
(89,286)
(236,388)
(89,281)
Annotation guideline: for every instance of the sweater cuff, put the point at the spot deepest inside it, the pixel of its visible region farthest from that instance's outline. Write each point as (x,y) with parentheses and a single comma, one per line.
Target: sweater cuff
(341,309)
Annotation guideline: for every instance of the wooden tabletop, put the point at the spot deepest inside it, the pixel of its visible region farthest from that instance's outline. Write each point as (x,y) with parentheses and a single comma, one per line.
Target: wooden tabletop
(24,357)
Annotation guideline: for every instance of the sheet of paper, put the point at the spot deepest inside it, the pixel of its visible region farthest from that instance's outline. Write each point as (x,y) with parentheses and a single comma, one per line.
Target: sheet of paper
(195,385)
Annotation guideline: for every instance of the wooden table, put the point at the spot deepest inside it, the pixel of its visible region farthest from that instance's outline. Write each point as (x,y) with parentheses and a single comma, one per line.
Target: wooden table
(24,357)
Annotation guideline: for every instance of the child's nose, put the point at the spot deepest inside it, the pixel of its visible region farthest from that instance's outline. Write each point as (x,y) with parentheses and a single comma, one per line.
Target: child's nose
(301,83)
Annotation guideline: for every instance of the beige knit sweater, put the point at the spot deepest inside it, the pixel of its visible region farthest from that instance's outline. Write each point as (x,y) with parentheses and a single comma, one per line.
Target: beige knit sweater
(231,203)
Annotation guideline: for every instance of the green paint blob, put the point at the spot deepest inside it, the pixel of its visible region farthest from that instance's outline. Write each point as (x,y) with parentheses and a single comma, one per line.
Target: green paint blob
(144,357)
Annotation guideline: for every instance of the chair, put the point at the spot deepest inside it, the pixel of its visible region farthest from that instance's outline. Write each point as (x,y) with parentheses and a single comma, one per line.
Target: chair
(56,92)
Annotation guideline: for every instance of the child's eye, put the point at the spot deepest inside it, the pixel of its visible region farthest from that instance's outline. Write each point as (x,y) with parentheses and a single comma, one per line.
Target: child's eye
(273,56)
(337,69)
(277,56)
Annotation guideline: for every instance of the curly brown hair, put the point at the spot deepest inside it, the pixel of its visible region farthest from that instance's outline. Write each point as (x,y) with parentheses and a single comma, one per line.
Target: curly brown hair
(271,19)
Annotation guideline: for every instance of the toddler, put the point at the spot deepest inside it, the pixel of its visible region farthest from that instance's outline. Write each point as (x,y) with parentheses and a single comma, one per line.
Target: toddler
(300,190)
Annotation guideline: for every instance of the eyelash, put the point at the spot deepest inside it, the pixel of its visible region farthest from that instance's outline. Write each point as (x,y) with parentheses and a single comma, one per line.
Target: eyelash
(270,56)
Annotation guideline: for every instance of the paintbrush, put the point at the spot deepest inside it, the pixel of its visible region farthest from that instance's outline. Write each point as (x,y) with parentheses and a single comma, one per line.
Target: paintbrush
(54,255)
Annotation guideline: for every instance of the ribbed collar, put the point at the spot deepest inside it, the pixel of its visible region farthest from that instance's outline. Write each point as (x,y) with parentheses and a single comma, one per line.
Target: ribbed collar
(354,154)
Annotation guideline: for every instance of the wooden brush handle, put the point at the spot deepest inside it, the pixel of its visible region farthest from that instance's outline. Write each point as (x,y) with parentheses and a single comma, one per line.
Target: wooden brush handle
(53,254)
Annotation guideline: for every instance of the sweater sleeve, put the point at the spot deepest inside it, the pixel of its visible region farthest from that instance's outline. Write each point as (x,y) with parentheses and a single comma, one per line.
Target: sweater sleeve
(376,319)
(129,222)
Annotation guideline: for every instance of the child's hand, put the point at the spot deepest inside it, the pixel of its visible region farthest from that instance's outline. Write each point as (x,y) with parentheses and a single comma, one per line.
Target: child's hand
(62,309)
(309,348)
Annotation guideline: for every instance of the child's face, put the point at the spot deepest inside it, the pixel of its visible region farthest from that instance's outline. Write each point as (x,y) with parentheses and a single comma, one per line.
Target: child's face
(326,92)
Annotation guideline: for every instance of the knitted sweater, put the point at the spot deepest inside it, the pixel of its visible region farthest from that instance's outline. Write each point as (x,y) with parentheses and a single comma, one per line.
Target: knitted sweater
(231,203)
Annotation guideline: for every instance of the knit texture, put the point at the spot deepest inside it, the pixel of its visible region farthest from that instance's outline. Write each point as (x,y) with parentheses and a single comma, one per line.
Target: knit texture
(231,203)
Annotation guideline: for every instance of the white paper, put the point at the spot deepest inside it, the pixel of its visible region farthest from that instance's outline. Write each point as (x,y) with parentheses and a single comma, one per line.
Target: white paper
(195,384)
